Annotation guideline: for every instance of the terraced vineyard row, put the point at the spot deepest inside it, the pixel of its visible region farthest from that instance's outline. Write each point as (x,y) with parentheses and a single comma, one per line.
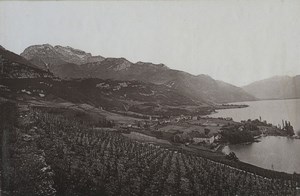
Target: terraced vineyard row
(100,162)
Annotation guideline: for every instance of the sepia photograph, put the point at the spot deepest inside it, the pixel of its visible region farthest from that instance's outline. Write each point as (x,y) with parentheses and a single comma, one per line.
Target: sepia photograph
(150,98)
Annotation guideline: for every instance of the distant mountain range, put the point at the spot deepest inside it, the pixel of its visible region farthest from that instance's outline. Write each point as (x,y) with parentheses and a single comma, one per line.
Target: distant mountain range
(120,85)
(278,87)
(68,63)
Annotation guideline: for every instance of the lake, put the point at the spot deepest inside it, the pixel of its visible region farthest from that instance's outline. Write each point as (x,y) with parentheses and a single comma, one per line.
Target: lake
(275,153)
(273,111)
(278,153)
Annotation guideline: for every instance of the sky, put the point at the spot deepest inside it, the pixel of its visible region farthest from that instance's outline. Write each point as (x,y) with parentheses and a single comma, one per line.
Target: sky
(236,41)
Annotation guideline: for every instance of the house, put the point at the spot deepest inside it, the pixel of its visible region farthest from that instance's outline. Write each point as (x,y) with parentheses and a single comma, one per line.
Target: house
(161,122)
(195,118)
(201,140)
(207,140)
(136,127)
(218,137)
(211,139)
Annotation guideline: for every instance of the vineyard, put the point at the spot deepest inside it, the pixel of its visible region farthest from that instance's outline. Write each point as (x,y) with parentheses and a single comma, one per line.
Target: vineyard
(98,162)
(82,161)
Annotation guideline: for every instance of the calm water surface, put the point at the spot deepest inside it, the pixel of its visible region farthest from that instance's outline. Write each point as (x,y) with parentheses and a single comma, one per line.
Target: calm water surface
(273,111)
(277,153)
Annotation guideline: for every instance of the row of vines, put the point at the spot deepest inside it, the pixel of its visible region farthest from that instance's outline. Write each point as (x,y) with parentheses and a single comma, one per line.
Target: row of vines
(89,162)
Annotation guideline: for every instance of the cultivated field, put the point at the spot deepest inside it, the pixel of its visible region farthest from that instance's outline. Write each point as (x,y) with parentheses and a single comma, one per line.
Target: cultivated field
(110,163)
(64,157)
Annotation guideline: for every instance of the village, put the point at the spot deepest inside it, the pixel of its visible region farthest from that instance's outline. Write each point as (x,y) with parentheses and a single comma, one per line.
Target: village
(188,131)
(203,133)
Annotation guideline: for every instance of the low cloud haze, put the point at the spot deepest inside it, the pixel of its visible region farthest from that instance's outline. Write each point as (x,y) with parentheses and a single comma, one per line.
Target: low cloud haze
(235,41)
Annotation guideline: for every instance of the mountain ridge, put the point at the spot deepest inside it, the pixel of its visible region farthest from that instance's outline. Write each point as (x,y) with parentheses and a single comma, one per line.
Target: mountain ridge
(46,55)
(276,87)
(201,88)
(21,81)
(15,66)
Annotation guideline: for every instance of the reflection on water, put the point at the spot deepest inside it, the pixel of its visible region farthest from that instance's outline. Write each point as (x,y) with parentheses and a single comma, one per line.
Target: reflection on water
(278,153)
(274,111)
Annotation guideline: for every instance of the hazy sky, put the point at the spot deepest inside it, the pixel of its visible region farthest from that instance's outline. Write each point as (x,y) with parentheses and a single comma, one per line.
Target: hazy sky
(234,41)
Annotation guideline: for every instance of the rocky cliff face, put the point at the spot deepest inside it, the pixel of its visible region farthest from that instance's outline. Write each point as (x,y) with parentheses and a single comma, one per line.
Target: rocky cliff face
(71,55)
(48,57)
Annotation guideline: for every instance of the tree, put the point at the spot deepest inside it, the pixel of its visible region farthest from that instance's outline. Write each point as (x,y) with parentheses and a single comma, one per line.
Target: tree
(2,64)
(206,131)
(138,123)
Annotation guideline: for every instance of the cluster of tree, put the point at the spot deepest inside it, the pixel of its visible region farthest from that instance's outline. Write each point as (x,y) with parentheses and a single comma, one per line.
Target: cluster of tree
(181,138)
(232,156)
(288,128)
(257,122)
(233,135)
(206,131)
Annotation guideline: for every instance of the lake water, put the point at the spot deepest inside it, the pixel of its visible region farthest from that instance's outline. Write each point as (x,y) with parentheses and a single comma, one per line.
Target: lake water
(277,153)
(273,111)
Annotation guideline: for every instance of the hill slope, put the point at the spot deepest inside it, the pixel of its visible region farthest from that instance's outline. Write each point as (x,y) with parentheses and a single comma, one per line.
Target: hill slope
(111,95)
(15,66)
(21,80)
(201,88)
(278,87)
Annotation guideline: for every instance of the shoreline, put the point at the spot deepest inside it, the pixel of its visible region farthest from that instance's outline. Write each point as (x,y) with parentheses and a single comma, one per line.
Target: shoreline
(225,149)
(277,99)
(219,156)
(265,100)
(230,106)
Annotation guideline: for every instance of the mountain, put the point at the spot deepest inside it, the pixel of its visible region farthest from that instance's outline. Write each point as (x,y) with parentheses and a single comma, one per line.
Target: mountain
(48,57)
(68,63)
(15,66)
(278,87)
(21,80)
(133,97)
